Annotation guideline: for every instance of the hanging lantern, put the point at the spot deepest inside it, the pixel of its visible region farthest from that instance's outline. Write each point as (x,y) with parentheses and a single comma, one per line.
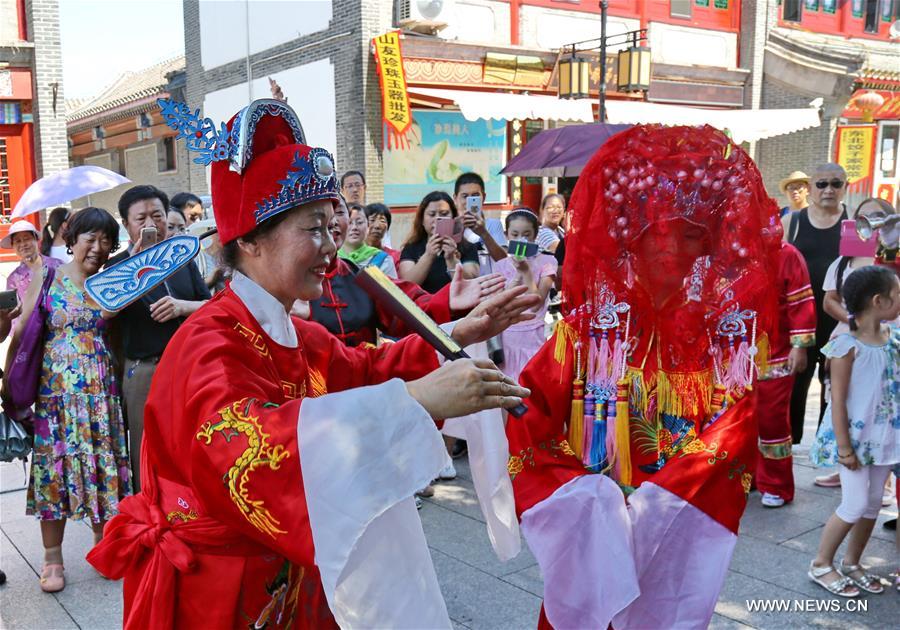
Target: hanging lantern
(574,72)
(634,69)
(868,103)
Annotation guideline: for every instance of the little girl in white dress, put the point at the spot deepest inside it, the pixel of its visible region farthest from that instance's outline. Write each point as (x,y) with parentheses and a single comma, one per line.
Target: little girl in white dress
(861,427)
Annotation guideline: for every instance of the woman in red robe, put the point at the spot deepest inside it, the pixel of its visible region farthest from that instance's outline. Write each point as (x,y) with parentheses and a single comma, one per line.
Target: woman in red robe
(280,464)
(645,389)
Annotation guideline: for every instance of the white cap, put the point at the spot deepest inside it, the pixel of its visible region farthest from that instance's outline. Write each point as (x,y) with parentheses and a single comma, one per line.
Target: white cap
(15,228)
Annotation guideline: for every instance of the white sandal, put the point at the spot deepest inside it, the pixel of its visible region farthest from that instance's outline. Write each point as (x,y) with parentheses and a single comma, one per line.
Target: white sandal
(867,582)
(838,587)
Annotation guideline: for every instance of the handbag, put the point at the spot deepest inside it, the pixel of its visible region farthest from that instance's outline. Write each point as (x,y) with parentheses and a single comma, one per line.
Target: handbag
(25,369)
(15,443)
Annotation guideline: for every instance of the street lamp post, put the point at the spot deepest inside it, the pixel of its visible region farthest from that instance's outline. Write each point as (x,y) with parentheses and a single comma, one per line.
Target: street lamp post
(633,65)
(601,113)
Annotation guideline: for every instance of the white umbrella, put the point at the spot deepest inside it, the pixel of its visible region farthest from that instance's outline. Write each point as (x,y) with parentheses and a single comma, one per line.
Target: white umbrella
(65,186)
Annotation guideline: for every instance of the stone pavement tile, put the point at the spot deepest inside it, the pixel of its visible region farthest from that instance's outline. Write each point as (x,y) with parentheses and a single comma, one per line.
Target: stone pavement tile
(12,477)
(805,475)
(465,539)
(718,622)
(459,496)
(478,600)
(25,534)
(880,532)
(12,507)
(763,523)
(529,579)
(880,555)
(738,589)
(22,603)
(811,505)
(94,604)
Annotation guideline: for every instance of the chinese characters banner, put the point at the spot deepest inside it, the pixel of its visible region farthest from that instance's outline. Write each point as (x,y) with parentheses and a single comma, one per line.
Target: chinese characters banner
(854,151)
(394,98)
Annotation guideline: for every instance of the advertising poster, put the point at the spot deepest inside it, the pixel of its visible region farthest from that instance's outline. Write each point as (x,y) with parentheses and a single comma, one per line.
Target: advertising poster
(441,147)
(855,151)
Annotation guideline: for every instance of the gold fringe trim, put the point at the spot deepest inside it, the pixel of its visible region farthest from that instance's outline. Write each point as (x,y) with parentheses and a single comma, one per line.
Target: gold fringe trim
(576,418)
(623,439)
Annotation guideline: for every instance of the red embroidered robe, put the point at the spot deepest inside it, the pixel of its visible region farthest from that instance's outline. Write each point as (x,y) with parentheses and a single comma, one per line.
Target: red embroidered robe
(220,536)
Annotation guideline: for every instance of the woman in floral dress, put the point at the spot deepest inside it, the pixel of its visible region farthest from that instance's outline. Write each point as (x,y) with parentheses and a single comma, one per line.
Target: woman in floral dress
(79,469)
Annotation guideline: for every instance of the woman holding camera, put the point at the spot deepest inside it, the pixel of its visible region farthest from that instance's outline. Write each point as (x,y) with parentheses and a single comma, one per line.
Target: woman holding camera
(430,256)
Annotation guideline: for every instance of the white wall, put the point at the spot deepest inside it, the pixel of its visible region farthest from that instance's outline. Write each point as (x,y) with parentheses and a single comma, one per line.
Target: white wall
(309,90)
(686,46)
(223,31)
(554,28)
(478,21)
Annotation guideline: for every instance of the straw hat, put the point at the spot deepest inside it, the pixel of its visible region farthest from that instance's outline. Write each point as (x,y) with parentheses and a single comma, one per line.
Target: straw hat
(16,228)
(796,176)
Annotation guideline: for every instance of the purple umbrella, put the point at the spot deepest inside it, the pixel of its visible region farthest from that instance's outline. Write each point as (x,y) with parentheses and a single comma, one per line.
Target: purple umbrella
(561,152)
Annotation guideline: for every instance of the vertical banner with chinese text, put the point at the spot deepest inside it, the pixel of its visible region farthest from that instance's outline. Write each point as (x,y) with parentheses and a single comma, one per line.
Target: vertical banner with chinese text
(394,98)
(854,150)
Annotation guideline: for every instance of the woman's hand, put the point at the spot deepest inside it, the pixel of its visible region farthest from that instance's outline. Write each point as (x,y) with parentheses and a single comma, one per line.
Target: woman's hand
(495,315)
(465,386)
(434,245)
(466,294)
(10,314)
(520,263)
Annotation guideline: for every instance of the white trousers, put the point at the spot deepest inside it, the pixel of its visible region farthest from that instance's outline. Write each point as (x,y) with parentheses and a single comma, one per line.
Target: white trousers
(861,492)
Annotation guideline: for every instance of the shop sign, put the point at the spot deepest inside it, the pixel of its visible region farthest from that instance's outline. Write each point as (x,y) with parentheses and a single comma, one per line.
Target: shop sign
(394,99)
(442,146)
(854,150)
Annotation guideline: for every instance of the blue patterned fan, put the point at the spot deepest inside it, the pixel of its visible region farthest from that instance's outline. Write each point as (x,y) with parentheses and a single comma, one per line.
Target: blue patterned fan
(125,282)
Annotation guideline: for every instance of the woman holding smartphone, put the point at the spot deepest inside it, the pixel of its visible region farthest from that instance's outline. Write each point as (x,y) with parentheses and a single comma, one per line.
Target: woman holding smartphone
(429,257)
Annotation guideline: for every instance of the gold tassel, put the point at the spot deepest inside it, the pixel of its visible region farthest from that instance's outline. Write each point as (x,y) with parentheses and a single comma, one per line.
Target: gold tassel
(623,439)
(576,419)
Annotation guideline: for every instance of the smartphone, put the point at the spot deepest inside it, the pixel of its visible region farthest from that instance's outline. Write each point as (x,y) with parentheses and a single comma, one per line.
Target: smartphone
(8,300)
(449,227)
(852,245)
(148,237)
(473,204)
(522,249)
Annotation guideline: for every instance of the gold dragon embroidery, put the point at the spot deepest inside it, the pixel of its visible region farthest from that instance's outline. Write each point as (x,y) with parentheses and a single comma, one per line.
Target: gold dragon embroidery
(237,420)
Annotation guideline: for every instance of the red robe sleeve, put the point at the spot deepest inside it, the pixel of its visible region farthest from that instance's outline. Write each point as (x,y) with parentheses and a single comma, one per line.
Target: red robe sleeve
(800,309)
(223,419)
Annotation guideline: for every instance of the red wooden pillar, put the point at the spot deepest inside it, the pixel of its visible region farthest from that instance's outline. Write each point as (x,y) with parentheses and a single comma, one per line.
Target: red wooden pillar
(16,174)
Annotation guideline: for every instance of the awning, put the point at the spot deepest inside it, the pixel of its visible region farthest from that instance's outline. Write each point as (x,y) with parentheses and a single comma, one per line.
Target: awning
(745,125)
(504,106)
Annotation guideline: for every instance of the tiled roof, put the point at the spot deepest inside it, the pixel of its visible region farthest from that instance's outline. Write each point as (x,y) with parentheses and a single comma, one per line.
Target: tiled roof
(127,88)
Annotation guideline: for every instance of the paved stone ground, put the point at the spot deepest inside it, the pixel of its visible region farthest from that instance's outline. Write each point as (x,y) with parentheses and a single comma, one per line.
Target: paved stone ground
(770,562)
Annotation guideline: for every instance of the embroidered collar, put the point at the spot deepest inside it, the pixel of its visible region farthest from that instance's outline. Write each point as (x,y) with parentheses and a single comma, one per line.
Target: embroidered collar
(266,310)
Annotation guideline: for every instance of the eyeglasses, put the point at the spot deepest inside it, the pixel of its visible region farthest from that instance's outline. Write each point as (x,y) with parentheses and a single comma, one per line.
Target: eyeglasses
(837,184)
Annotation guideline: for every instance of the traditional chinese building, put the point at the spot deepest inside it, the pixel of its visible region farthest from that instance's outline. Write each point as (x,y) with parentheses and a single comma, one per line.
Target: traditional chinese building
(122,130)
(481,79)
(32,115)
(842,52)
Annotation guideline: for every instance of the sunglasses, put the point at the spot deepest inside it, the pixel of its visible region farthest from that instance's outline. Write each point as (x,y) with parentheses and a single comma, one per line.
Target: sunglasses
(837,184)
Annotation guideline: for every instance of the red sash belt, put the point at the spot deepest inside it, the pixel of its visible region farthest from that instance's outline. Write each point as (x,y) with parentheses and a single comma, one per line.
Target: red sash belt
(141,542)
